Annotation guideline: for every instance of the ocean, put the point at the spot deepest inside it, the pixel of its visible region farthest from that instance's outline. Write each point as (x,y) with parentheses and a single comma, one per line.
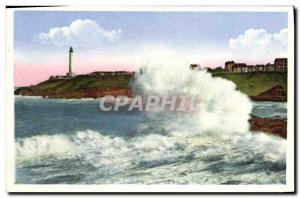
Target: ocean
(60,141)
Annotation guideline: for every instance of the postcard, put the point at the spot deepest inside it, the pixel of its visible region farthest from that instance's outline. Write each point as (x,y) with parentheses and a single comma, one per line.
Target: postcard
(150,99)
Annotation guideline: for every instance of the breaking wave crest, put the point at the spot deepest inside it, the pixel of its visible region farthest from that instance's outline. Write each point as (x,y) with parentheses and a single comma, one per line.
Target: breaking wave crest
(220,106)
(104,150)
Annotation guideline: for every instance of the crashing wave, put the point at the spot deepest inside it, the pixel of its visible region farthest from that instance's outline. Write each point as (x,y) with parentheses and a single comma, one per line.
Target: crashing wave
(104,150)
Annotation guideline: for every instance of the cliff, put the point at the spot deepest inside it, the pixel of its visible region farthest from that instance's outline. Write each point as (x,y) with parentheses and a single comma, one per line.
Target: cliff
(276,93)
(267,86)
(80,87)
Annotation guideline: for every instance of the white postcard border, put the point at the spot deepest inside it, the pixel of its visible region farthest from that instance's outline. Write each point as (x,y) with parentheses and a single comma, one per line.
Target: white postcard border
(10,145)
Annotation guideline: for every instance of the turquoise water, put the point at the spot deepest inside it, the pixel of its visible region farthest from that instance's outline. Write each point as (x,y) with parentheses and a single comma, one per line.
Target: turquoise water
(73,142)
(273,110)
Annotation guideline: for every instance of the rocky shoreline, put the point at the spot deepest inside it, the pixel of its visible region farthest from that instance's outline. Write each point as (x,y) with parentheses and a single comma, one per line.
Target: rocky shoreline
(272,126)
(77,94)
(276,127)
(275,94)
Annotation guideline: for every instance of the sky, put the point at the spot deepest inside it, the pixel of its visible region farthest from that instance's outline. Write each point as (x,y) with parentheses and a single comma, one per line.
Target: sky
(112,41)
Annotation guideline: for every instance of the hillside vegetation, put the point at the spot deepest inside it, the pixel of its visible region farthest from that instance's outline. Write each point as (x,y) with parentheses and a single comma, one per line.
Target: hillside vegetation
(253,84)
(77,83)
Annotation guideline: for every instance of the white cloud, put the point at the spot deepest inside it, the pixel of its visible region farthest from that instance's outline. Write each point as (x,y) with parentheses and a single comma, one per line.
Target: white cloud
(254,46)
(79,33)
(259,44)
(282,36)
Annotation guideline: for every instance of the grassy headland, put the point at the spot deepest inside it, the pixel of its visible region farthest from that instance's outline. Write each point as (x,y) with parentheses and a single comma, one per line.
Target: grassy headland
(79,87)
(252,84)
(83,82)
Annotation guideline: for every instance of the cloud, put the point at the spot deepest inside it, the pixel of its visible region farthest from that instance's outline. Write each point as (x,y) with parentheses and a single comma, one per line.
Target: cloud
(254,46)
(282,36)
(82,33)
(259,44)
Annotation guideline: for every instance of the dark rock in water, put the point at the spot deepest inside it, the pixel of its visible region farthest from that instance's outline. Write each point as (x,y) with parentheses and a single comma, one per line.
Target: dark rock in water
(277,94)
(231,182)
(273,126)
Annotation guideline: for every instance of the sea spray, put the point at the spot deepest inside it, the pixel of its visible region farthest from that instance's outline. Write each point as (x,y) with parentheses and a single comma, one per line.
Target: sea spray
(221,106)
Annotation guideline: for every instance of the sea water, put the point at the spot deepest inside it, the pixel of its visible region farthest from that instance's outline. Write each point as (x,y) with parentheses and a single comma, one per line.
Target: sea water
(62,141)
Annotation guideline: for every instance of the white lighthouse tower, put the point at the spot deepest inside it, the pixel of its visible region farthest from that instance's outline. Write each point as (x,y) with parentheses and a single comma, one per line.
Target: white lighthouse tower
(71,73)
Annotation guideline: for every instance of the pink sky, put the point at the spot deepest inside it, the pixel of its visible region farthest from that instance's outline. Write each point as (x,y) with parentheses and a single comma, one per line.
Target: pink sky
(26,75)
